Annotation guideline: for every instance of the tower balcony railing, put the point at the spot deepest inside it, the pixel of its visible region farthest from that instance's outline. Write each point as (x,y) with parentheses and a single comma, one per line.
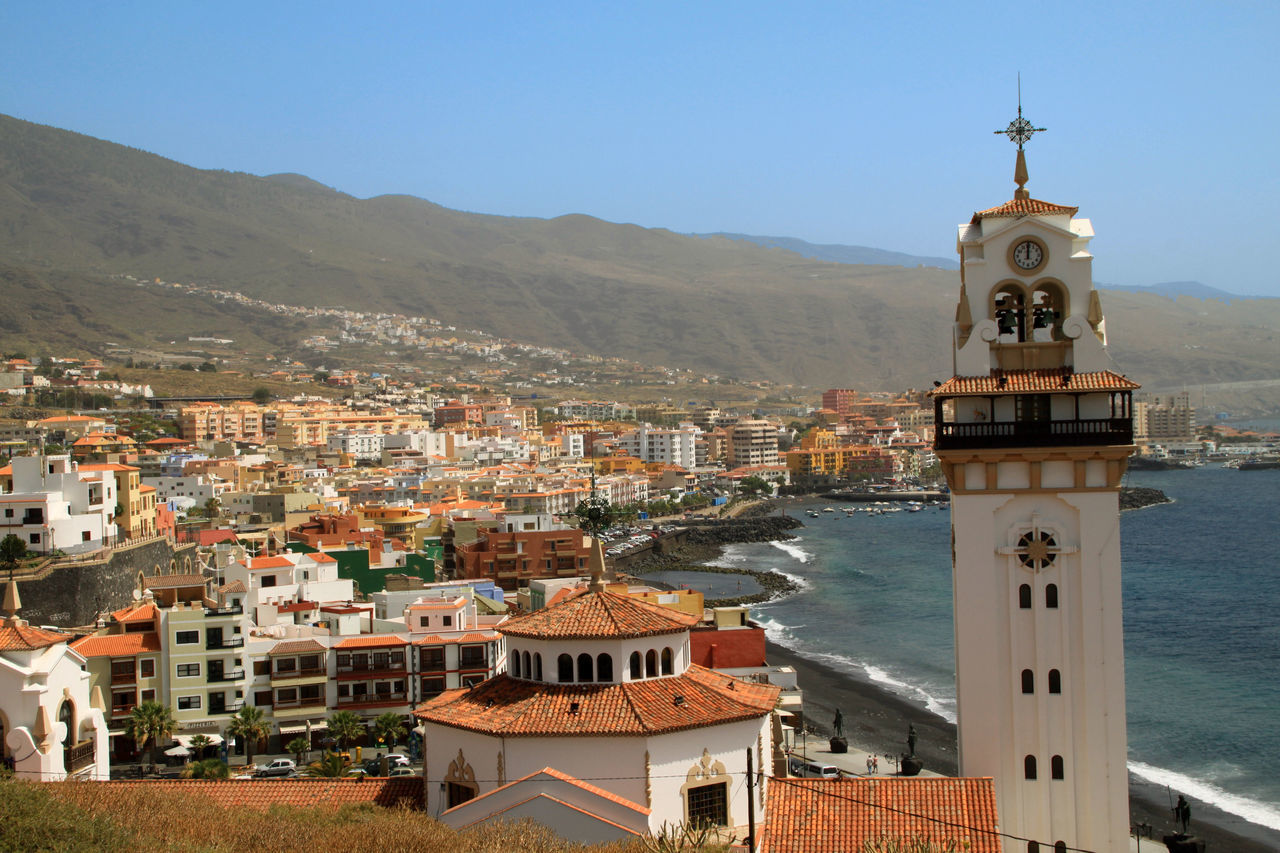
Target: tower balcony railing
(1077,433)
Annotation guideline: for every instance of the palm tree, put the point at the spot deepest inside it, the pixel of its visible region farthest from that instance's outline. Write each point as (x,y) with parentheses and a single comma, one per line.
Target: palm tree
(149,722)
(198,745)
(250,724)
(389,727)
(210,768)
(346,727)
(330,766)
(298,746)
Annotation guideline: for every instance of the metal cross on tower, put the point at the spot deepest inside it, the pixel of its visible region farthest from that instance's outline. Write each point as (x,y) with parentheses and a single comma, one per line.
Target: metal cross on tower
(1020,130)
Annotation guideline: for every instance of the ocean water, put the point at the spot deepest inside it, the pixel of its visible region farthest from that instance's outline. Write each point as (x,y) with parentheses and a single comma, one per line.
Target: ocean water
(1201,615)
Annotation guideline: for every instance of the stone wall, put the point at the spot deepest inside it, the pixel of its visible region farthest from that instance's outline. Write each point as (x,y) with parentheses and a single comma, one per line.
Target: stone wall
(73,592)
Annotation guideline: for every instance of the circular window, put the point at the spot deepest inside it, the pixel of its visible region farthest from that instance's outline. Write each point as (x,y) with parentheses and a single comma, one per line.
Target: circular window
(1036,549)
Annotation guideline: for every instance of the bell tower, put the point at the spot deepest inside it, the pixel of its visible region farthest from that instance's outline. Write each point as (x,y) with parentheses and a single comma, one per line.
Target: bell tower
(1034,431)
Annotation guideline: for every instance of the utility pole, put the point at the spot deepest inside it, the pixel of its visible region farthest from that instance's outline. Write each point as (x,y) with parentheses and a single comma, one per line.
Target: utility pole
(751,805)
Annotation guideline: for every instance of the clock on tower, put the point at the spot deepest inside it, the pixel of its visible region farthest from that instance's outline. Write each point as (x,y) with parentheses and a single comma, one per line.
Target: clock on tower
(1034,431)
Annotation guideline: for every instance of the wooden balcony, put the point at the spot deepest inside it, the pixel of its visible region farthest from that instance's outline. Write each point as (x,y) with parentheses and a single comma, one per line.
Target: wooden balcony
(79,756)
(399,698)
(1079,433)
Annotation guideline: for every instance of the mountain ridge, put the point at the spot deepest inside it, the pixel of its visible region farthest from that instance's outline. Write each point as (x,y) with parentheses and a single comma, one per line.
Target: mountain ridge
(77,213)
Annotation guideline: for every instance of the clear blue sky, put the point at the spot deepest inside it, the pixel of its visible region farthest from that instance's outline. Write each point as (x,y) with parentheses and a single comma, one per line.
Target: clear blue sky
(860,123)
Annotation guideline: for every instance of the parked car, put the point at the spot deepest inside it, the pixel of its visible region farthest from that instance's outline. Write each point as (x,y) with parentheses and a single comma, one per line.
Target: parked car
(403,771)
(279,767)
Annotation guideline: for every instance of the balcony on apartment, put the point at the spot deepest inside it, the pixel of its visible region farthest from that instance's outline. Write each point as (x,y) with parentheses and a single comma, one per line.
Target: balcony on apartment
(398,697)
(79,756)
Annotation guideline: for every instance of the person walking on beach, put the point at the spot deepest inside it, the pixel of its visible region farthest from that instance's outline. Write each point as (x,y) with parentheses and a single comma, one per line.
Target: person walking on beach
(875,764)
(868,765)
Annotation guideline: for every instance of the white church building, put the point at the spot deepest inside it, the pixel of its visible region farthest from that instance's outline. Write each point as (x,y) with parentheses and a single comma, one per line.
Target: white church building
(601,727)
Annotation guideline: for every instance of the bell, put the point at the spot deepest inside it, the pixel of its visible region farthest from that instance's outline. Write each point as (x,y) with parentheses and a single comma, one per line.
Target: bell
(1043,318)
(1006,322)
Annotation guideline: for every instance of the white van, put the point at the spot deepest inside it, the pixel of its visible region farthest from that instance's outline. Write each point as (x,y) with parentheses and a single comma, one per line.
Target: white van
(813,769)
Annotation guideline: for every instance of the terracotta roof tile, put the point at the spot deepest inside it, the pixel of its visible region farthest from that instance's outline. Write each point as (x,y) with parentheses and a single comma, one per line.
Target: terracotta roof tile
(236,585)
(371,642)
(17,635)
(517,708)
(565,777)
(436,639)
(1059,380)
(262,794)
(270,563)
(295,647)
(117,645)
(599,615)
(136,613)
(1025,207)
(172,581)
(820,815)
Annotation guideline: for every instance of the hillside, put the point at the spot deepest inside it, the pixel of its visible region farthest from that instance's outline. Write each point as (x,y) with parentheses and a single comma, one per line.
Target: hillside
(75,212)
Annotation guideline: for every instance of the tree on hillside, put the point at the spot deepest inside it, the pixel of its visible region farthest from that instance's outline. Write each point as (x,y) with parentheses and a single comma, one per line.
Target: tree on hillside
(149,723)
(12,550)
(250,724)
(261,396)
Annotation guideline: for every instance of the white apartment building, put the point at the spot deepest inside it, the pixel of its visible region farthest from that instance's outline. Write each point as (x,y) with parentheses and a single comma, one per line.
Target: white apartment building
(668,446)
(52,505)
(359,445)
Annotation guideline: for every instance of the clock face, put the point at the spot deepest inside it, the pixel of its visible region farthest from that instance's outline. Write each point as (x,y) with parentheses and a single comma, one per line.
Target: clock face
(1028,255)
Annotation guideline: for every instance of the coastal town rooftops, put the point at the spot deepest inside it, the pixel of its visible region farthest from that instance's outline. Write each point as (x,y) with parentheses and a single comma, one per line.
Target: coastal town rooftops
(599,615)
(819,815)
(118,645)
(1058,380)
(371,642)
(512,707)
(144,611)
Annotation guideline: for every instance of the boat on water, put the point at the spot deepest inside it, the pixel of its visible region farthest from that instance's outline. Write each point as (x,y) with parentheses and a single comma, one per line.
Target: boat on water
(828,509)
(1262,464)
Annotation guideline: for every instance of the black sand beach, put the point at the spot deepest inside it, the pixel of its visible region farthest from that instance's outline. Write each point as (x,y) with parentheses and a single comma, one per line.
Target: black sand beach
(877,720)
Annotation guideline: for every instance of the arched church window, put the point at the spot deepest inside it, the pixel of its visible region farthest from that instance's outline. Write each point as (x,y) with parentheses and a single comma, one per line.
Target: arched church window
(1033,847)
(1057,767)
(667,664)
(1009,310)
(1051,596)
(1024,596)
(586,669)
(67,716)
(537,666)
(1028,681)
(525,660)
(604,667)
(1055,681)
(1059,847)
(515,664)
(650,664)
(636,673)
(1029,767)
(564,665)
(1048,310)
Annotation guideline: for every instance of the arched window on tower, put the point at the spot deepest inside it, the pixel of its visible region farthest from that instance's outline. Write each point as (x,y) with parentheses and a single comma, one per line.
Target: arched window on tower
(525,660)
(586,670)
(564,667)
(636,671)
(1048,310)
(1059,847)
(1009,310)
(1051,596)
(651,664)
(1024,596)
(515,664)
(1055,681)
(1028,681)
(1029,767)
(604,667)
(1057,768)
(537,666)
(1033,847)
(667,666)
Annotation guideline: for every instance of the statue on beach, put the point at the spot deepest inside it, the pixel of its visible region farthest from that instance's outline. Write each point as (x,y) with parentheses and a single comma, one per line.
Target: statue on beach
(839,723)
(1182,813)
(911,740)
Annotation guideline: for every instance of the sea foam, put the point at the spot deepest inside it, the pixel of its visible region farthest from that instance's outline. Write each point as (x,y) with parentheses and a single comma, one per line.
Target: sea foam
(799,553)
(1254,811)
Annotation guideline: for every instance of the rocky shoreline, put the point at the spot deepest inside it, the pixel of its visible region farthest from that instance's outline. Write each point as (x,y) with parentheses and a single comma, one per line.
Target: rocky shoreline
(1139,498)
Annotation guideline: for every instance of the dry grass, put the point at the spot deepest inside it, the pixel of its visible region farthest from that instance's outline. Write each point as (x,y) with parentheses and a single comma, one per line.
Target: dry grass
(81,816)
